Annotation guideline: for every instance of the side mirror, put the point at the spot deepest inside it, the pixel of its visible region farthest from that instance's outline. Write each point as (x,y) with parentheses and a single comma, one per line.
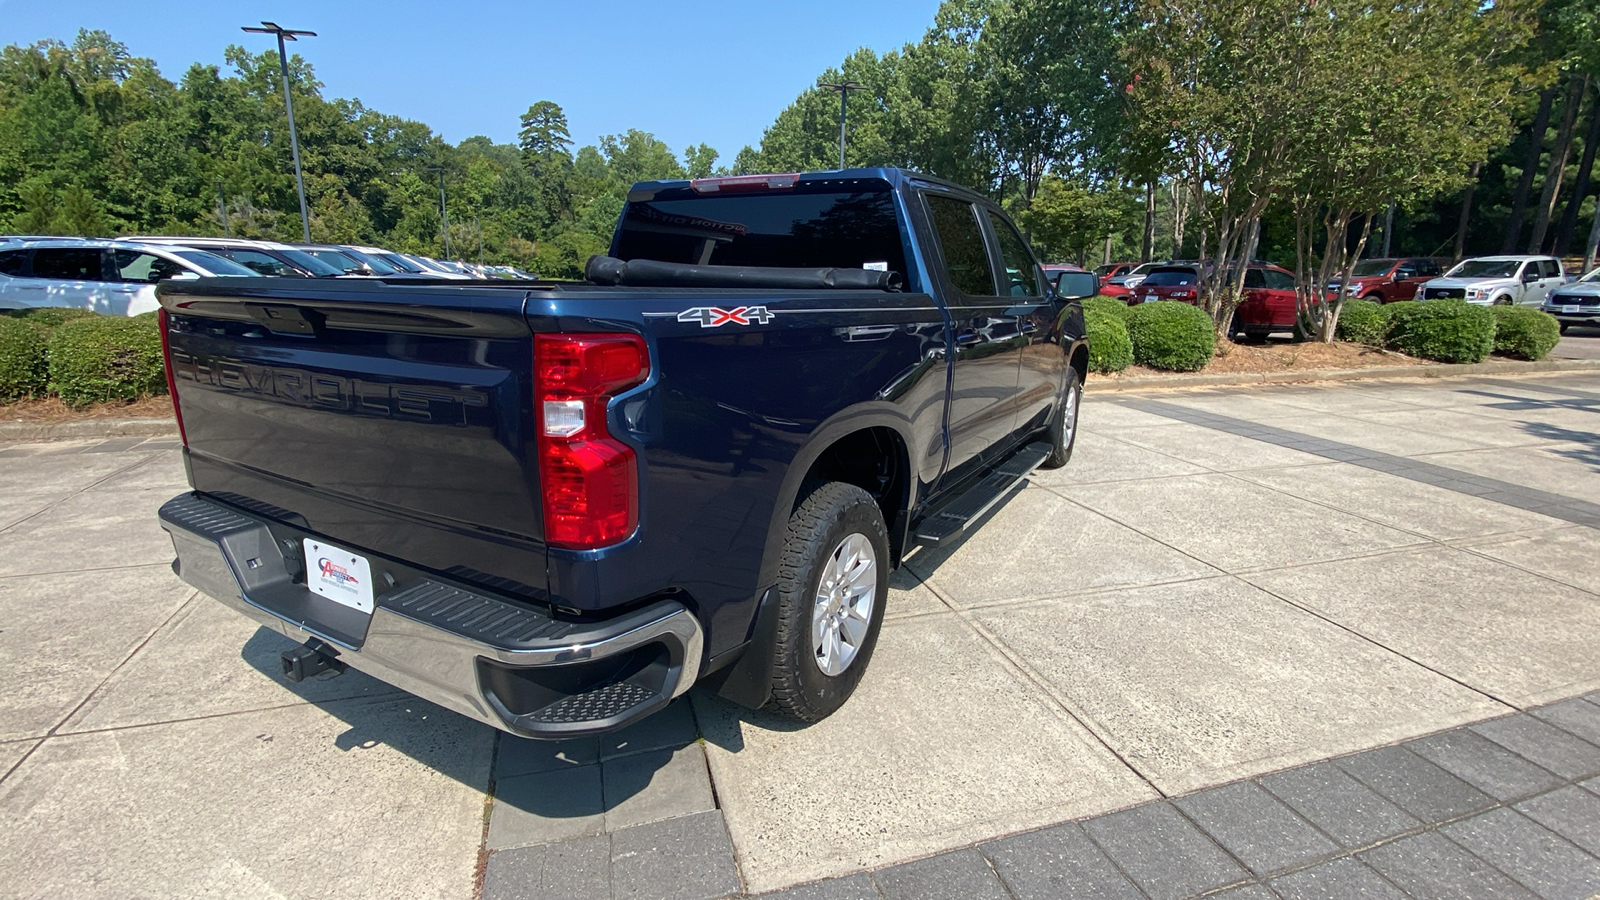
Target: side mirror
(1530,276)
(1076,285)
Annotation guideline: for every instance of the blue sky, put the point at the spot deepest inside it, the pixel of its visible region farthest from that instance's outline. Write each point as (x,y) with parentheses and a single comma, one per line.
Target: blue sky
(712,71)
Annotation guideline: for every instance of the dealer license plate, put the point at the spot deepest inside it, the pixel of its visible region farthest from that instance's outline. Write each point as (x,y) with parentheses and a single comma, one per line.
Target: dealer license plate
(1569,309)
(339,575)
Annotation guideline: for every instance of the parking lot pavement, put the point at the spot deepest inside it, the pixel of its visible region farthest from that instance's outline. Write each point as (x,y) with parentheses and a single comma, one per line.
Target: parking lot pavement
(1298,641)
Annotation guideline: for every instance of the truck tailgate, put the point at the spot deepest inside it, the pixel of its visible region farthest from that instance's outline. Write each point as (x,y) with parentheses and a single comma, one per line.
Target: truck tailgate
(396,422)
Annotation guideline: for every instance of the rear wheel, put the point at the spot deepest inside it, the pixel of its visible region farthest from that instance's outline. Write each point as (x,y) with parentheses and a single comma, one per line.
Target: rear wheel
(1564,328)
(1064,424)
(832,584)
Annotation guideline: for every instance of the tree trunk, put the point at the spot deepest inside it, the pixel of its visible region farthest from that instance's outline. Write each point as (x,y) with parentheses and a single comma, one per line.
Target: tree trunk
(1388,231)
(1147,247)
(1105,258)
(1558,162)
(1580,188)
(1519,200)
(1466,212)
(1594,239)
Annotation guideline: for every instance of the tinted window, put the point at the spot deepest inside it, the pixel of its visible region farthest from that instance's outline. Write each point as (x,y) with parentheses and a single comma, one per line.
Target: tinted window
(1485,268)
(803,227)
(12,262)
(310,263)
(1253,278)
(216,265)
(374,263)
(68,264)
(1549,268)
(966,257)
(1279,281)
(1170,277)
(260,262)
(1022,274)
(336,259)
(1370,267)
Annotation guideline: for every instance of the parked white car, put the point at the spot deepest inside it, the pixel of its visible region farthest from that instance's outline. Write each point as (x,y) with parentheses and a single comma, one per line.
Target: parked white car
(413,265)
(1498,281)
(115,278)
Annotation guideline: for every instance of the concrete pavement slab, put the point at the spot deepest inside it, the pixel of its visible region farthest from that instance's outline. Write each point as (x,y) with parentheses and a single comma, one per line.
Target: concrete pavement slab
(1213,449)
(1341,401)
(1544,745)
(1466,425)
(64,473)
(352,799)
(851,887)
(687,858)
(1521,639)
(669,729)
(1102,457)
(12,752)
(941,746)
(14,507)
(88,531)
(546,807)
(1544,468)
(1258,405)
(1415,785)
(1040,544)
(1107,415)
(1233,524)
(1576,717)
(1400,502)
(1339,879)
(963,875)
(908,596)
(1186,681)
(209,660)
(1565,554)
(64,634)
(571,870)
(659,784)
(160,471)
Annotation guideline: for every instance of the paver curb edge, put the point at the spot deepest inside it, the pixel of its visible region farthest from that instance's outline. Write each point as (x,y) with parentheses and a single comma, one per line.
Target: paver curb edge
(88,429)
(1501,368)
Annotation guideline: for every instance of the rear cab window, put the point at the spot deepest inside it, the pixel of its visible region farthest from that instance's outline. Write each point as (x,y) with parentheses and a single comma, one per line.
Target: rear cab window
(1549,268)
(849,224)
(961,243)
(1278,281)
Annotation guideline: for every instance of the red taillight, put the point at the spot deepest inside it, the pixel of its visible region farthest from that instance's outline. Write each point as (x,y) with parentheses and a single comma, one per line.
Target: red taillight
(732,183)
(590,480)
(172,381)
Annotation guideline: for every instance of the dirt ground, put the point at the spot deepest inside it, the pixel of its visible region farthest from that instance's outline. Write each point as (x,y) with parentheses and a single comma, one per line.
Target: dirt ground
(1284,356)
(51,409)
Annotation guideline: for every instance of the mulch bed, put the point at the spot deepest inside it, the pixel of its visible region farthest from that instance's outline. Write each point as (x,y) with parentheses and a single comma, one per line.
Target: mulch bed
(51,410)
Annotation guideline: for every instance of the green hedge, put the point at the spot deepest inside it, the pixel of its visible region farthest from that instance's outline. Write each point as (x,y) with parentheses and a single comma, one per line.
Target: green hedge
(1168,334)
(1110,348)
(1524,332)
(49,318)
(1108,305)
(1450,330)
(106,358)
(1363,322)
(22,360)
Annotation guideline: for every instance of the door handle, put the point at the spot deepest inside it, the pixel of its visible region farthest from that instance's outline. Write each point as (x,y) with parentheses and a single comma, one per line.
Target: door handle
(1029,327)
(968,339)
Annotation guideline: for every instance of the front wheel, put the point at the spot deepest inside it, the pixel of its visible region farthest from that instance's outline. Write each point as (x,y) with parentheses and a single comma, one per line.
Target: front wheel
(1064,424)
(832,585)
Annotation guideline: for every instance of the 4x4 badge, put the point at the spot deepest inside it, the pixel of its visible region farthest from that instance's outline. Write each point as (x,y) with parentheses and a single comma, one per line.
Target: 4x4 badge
(711,316)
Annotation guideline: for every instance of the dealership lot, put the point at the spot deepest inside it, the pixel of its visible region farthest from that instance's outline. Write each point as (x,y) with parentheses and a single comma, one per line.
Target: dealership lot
(1220,586)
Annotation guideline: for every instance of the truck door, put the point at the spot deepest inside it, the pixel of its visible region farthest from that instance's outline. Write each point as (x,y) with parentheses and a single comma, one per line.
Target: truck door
(983,386)
(1040,363)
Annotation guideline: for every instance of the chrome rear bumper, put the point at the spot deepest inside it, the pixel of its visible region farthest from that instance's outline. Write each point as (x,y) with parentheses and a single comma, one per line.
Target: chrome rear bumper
(490,658)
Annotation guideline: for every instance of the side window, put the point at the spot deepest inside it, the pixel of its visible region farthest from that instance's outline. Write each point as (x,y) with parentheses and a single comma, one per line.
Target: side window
(1022,273)
(1279,281)
(260,262)
(13,262)
(143,268)
(966,257)
(1550,268)
(68,263)
(1254,278)
(1407,269)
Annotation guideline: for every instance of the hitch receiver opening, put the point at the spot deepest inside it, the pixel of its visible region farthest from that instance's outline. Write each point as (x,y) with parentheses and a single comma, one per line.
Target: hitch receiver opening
(310,661)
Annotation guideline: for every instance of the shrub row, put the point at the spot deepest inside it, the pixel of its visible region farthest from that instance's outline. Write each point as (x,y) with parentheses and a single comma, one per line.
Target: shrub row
(79,355)
(1451,330)
(1167,334)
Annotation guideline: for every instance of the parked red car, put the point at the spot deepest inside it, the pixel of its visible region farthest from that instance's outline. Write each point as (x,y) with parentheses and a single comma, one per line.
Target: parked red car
(1112,270)
(1387,280)
(1168,283)
(1269,302)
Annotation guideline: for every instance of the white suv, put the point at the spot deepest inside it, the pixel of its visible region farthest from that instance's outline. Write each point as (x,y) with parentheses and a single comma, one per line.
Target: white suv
(113,277)
(1498,280)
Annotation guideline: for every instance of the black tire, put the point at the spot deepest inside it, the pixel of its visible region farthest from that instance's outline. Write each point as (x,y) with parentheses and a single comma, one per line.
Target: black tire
(820,526)
(1064,433)
(1564,327)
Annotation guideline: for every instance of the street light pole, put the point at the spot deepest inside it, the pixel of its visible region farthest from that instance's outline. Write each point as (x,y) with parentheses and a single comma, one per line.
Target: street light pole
(286,34)
(444,221)
(843,88)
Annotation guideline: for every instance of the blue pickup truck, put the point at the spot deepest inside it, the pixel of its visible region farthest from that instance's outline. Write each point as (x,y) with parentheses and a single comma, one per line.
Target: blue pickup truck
(555,506)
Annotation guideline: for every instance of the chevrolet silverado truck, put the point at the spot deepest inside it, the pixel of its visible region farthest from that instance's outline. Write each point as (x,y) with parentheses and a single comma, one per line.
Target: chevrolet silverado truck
(553,507)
